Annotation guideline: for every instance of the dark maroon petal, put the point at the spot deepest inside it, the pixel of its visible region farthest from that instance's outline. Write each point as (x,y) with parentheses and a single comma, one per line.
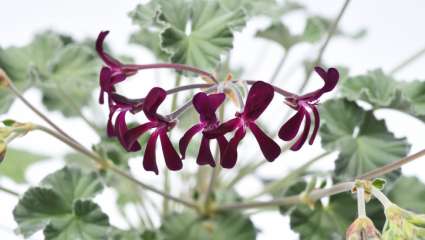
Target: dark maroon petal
(224,128)
(152,101)
(316,124)
(172,158)
(184,141)
(104,81)
(117,77)
(301,140)
(132,135)
(270,148)
(110,61)
(110,131)
(231,154)
(330,77)
(149,159)
(216,100)
(205,156)
(121,130)
(290,129)
(203,106)
(259,97)
(222,144)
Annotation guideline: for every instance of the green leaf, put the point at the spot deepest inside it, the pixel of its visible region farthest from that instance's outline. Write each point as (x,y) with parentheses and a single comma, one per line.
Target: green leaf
(279,33)
(210,31)
(375,87)
(60,207)
(408,193)
(21,62)
(331,221)
(190,226)
(151,41)
(414,94)
(72,79)
(144,14)
(86,222)
(17,162)
(267,8)
(72,184)
(364,142)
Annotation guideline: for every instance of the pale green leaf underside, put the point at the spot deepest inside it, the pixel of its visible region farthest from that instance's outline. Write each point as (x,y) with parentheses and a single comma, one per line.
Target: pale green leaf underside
(17,162)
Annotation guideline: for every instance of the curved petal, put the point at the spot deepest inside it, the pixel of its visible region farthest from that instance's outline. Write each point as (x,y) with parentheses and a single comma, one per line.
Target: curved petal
(259,97)
(104,80)
(330,77)
(231,154)
(222,144)
(110,130)
(301,140)
(152,101)
(271,150)
(172,158)
(184,141)
(110,61)
(316,124)
(117,77)
(132,135)
(290,129)
(202,105)
(205,156)
(121,130)
(149,158)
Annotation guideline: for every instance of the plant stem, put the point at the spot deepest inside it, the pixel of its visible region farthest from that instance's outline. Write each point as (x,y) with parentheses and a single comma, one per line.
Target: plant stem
(408,61)
(314,195)
(278,184)
(9,191)
(391,166)
(381,197)
(176,66)
(325,44)
(36,111)
(361,207)
(107,165)
(317,194)
(279,66)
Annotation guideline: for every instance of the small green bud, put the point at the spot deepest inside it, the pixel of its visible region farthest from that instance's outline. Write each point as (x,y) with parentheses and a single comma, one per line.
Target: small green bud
(362,229)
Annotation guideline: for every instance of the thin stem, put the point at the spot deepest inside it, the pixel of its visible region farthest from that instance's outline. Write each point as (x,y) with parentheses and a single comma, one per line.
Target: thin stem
(278,184)
(408,61)
(176,66)
(279,66)
(325,44)
(36,111)
(392,166)
(296,199)
(276,89)
(361,207)
(381,197)
(105,164)
(9,191)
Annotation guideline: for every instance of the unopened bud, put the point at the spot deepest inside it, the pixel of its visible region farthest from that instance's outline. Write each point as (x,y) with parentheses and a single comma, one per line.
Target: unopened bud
(403,224)
(362,229)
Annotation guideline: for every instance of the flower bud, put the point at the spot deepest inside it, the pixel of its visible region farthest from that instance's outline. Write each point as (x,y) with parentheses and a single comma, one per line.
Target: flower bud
(403,224)
(362,229)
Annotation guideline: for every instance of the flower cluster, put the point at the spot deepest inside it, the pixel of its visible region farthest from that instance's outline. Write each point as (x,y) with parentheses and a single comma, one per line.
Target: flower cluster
(206,103)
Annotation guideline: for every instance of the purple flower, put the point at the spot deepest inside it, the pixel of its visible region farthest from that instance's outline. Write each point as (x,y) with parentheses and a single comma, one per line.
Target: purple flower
(206,106)
(161,125)
(114,71)
(259,97)
(303,105)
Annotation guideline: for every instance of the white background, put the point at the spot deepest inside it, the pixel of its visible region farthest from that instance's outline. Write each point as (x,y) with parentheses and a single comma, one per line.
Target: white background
(395,31)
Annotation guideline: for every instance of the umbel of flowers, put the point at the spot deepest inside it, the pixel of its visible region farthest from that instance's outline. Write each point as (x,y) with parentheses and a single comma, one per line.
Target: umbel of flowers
(206,103)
